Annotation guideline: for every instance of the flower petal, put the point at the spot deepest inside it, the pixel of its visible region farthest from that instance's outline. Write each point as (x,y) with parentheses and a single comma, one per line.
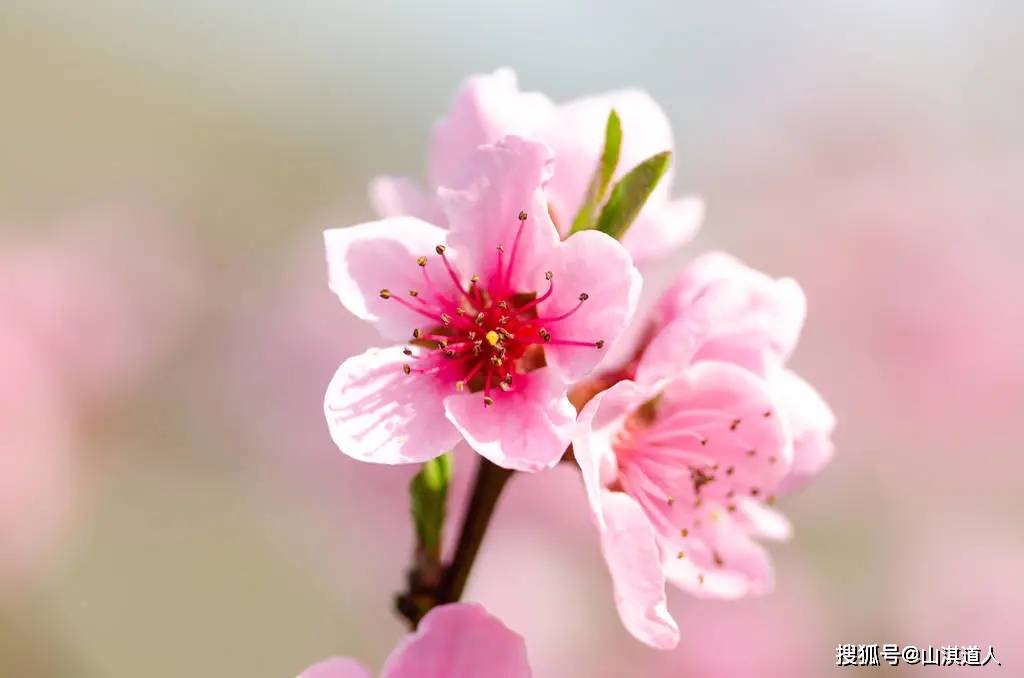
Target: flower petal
(597,264)
(719,560)
(811,424)
(376,413)
(734,413)
(485,109)
(762,521)
(527,429)
(336,667)
(662,227)
(634,561)
(460,640)
(598,423)
(364,259)
(744,311)
(670,351)
(503,179)
(403,197)
(576,132)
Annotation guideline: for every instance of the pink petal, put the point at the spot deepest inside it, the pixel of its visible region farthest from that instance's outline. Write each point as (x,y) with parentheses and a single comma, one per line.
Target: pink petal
(504,179)
(634,561)
(736,415)
(663,227)
(362,260)
(596,427)
(597,264)
(745,311)
(403,197)
(670,351)
(762,522)
(576,135)
(460,640)
(720,561)
(811,424)
(336,667)
(485,109)
(376,413)
(527,429)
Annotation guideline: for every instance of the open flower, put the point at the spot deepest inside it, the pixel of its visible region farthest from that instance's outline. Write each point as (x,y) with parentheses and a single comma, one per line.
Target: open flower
(488,107)
(683,461)
(460,640)
(721,309)
(499,315)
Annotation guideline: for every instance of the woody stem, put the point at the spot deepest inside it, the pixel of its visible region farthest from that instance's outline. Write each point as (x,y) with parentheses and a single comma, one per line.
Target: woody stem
(427,592)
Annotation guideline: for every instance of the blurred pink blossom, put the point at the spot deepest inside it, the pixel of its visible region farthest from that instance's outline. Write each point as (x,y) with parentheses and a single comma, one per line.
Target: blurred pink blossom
(455,641)
(105,297)
(485,338)
(489,107)
(678,462)
(37,459)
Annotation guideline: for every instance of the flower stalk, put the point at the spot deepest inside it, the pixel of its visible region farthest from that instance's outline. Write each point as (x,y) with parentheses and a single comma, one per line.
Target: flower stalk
(429,586)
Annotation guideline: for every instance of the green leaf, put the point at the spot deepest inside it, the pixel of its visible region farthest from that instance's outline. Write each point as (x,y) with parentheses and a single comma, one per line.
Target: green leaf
(428,492)
(630,193)
(602,174)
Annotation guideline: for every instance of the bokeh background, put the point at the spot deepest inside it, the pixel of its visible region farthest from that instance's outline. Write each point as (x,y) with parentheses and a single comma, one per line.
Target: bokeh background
(170,502)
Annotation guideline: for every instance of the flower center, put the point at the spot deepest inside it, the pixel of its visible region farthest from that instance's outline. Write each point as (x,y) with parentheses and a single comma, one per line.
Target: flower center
(480,338)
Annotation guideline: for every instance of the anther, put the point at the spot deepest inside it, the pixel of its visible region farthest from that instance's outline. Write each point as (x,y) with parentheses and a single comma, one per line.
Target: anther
(544,334)
(500,248)
(446,319)
(488,401)
(505,334)
(503,305)
(504,386)
(751,453)
(522,215)
(599,344)
(734,424)
(479,319)
(385,293)
(471,335)
(700,579)
(680,555)
(440,249)
(496,361)
(416,333)
(414,293)
(584,296)
(684,533)
(718,558)
(670,500)
(449,352)
(754,492)
(406,369)
(548,275)
(503,320)
(767,413)
(421,261)
(729,471)
(475,279)
(460,386)
(407,351)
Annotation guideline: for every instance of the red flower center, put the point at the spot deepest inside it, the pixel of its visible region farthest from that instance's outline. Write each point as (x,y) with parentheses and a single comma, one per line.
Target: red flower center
(480,338)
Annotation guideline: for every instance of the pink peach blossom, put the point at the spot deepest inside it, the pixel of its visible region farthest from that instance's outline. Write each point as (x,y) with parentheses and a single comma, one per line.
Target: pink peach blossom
(498,322)
(682,462)
(453,641)
(721,309)
(488,107)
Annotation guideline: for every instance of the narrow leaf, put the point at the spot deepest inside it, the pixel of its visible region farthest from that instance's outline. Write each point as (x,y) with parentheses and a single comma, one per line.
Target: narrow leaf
(602,174)
(630,193)
(428,492)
